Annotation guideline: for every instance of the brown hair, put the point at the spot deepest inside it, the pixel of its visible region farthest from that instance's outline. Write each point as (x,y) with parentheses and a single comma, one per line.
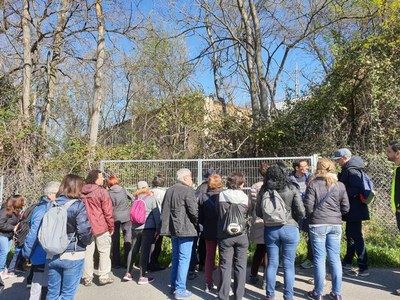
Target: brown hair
(235,180)
(264,166)
(214,182)
(15,204)
(325,166)
(71,186)
(92,176)
(112,180)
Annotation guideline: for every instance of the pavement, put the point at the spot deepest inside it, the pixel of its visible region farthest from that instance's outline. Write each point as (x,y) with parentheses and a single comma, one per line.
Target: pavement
(379,285)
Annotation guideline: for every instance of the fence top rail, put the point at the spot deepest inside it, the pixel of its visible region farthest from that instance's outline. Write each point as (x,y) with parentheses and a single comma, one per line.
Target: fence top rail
(208,159)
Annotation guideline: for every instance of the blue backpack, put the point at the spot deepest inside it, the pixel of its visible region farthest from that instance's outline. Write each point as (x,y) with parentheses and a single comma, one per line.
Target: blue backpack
(368,194)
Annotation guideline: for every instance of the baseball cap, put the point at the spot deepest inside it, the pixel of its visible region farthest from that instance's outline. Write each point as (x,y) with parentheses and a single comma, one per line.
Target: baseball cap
(341,153)
(142,185)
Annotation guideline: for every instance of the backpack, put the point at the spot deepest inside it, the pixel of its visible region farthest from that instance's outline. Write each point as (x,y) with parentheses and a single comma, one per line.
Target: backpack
(24,226)
(138,211)
(368,194)
(271,208)
(235,222)
(53,232)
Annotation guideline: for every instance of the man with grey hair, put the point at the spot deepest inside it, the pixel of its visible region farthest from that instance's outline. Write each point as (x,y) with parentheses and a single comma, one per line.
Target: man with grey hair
(179,216)
(351,176)
(32,248)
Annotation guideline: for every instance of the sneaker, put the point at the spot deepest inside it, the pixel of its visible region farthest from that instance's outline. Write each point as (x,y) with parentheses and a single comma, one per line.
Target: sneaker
(397,292)
(4,275)
(264,286)
(105,281)
(127,277)
(183,294)
(231,293)
(87,281)
(11,275)
(210,287)
(334,296)
(192,275)
(145,280)
(253,280)
(347,266)
(307,264)
(358,272)
(312,295)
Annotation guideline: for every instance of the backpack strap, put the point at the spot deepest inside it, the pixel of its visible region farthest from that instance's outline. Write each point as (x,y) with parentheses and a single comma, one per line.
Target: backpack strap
(328,194)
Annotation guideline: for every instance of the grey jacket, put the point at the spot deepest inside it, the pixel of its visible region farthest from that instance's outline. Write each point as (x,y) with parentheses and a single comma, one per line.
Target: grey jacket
(120,202)
(225,198)
(152,214)
(332,210)
(179,215)
(257,224)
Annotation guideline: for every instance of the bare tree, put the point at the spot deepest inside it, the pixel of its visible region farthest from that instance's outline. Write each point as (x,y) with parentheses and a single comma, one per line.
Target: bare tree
(26,93)
(98,97)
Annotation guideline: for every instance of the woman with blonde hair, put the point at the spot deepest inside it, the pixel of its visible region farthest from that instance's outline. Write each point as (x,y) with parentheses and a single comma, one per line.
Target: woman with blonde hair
(325,202)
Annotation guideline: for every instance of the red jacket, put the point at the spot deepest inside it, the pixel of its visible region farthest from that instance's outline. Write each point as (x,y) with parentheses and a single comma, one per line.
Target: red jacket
(99,208)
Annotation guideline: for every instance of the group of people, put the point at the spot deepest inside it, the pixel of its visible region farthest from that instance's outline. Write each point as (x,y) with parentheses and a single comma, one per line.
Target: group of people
(270,216)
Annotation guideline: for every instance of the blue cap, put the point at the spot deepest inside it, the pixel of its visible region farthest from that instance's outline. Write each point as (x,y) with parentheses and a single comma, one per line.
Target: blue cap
(344,152)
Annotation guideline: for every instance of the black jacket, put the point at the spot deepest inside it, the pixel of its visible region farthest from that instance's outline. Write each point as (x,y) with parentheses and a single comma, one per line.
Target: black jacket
(331,211)
(208,214)
(352,180)
(179,213)
(7,223)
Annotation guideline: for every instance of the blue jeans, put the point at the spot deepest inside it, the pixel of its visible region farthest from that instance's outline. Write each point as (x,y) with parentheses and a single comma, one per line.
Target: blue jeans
(17,260)
(276,237)
(64,277)
(5,246)
(181,253)
(326,237)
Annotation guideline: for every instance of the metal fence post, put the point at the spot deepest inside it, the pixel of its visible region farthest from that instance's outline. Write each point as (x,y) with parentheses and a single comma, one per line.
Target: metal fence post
(314,160)
(199,172)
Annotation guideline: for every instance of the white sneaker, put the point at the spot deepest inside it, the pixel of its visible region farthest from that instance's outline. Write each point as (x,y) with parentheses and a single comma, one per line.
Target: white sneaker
(4,275)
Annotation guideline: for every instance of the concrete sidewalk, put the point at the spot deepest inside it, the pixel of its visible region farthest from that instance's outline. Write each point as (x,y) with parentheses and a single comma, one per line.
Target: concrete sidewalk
(379,285)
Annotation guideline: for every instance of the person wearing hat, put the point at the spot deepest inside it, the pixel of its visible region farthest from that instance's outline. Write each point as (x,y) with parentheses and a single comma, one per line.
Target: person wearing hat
(32,248)
(143,235)
(351,177)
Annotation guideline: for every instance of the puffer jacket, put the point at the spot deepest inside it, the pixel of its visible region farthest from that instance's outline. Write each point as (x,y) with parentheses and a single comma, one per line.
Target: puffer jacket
(293,203)
(7,223)
(350,176)
(120,202)
(179,213)
(32,249)
(225,198)
(332,210)
(99,208)
(78,224)
(257,224)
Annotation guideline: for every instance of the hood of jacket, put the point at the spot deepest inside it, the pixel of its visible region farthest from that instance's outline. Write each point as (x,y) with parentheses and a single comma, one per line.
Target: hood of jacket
(233,196)
(115,189)
(90,188)
(355,162)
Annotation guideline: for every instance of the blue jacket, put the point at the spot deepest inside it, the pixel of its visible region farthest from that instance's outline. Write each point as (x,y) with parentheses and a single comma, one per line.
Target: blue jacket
(352,180)
(32,248)
(293,180)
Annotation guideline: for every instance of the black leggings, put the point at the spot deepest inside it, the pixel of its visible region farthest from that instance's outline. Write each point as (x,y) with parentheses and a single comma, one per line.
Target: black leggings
(141,240)
(259,256)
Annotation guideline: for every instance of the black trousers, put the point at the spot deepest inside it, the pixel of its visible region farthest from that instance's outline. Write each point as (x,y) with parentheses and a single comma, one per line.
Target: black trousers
(155,253)
(355,245)
(116,238)
(233,253)
(260,255)
(141,240)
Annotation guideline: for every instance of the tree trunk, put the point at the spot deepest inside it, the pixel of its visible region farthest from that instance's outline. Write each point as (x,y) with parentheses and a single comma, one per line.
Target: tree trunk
(98,77)
(257,43)
(27,73)
(52,64)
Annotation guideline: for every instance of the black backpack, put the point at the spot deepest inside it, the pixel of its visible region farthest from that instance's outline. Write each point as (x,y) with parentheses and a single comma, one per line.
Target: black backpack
(24,226)
(235,222)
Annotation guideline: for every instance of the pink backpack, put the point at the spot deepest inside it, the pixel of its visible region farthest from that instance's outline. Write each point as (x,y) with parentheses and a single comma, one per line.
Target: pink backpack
(138,211)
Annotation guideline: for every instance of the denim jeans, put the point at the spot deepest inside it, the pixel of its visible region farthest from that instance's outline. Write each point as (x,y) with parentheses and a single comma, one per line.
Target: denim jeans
(326,237)
(5,246)
(287,237)
(181,253)
(17,260)
(64,277)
